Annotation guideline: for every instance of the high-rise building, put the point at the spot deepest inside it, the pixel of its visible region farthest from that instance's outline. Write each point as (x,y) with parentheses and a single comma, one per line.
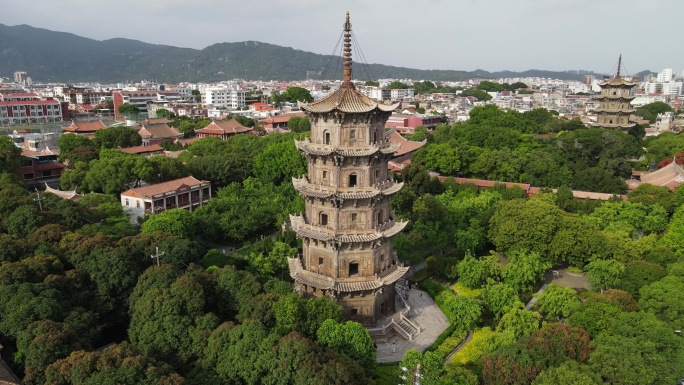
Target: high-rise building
(347,227)
(614,109)
(20,77)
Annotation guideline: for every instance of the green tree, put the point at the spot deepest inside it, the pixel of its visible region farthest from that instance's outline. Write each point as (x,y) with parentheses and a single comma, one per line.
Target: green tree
(164,113)
(519,322)
(245,121)
(637,348)
(349,338)
(461,310)
(568,373)
(558,302)
(168,321)
(69,142)
(604,274)
(23,221)
(638,274)
(295,94)
(128,109)
(116,364)
(665,299)
(500,298)
(649,194)
(10,156)
(279,163)
(594,316)
(114,172)
(523,270)
(372,83)
(650,111)
(177,222)
(473,273)
(117,137)
(524,224)
(397,85)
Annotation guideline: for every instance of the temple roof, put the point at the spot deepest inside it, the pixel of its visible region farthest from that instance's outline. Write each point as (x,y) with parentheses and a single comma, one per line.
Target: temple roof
(615,97)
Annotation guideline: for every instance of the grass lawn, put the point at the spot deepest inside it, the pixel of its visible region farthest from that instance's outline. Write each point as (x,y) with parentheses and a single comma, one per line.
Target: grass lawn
(466,292)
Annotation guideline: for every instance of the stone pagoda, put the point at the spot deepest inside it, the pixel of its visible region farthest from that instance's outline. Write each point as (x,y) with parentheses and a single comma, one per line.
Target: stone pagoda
(347,227)
(614,109)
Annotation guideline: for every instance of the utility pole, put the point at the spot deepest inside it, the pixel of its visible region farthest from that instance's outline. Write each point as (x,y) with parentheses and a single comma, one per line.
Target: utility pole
(39,200)
(157,255)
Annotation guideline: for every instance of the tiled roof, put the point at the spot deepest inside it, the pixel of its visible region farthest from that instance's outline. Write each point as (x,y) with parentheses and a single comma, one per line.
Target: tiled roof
(158,131)
(223,127)
(617,81)
(25,102)
(406,145)
(85,126)
(7,377)
(347,100)
(283,118)
(161,188)
(142,149)
(326,283)
(69,195)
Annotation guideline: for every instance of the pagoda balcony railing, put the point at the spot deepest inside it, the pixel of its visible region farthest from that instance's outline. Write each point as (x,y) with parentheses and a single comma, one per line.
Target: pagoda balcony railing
(331,229)
(375,188)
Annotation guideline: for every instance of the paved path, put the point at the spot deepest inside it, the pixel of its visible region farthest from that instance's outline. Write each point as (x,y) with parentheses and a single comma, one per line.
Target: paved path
(424,313)
(535,297)
(460,346)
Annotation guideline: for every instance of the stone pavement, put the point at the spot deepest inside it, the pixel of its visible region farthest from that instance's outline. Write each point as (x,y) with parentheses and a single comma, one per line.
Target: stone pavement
(424,313)
(568,279)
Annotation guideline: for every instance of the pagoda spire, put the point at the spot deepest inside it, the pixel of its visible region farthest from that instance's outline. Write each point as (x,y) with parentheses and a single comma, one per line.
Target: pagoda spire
(347,83)
(619,65)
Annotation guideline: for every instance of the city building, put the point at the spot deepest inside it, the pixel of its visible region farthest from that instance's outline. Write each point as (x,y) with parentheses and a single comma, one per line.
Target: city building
(222,129)
(186,193)
(228,96)
(140,99)
(615,109)
(347,227)
(39,167)
(29,108)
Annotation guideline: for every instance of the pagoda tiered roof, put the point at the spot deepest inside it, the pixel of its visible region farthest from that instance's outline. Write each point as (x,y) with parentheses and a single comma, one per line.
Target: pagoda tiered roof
(325,149)
(348,100)
(615,111)
(324,282)
(320,191)
(616,82)
(387,230)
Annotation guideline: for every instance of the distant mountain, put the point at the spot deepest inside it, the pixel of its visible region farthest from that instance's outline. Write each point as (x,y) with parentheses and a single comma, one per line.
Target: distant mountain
(50,56)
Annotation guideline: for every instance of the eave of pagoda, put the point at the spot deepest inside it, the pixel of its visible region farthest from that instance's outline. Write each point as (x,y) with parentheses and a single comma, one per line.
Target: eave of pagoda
(615,97)
(359,151)
(309,189)
(607,111)
(613,126)
(325,234)
(324,282)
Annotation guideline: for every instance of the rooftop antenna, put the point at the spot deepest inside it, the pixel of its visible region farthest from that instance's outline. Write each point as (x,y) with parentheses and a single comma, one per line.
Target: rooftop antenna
(157,254)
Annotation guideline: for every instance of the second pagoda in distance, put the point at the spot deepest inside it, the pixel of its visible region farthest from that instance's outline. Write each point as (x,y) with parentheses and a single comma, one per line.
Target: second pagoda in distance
(347,226)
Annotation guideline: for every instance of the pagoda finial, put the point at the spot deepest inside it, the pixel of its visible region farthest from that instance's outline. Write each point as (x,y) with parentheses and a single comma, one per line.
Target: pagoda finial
(619,65)
(347,83)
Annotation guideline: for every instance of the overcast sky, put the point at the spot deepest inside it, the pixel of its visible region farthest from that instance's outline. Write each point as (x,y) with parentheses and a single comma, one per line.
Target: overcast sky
(426,34)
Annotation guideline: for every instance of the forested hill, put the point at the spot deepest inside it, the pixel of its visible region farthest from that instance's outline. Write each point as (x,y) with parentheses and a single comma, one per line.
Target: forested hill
(58,56)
